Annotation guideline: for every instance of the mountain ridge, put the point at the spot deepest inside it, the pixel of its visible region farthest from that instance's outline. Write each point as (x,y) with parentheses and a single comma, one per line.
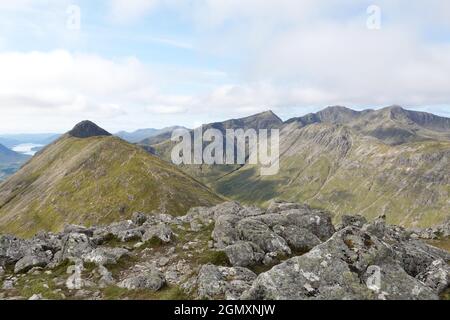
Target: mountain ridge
(93,179)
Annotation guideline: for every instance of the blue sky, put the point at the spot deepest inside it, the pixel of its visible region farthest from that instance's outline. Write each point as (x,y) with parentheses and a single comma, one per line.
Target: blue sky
(155,63)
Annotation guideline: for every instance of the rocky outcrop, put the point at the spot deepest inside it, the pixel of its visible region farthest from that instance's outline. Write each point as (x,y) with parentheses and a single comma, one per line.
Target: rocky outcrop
(250,236)
(152,280)
(296,250)
(215,282)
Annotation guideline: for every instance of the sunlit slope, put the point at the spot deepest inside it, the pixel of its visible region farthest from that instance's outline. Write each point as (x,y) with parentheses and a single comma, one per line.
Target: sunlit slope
(334,167)
(94,180)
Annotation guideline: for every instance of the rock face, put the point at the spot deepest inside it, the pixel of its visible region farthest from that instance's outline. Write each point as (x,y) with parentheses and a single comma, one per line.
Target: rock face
(250,236)
(301,253)
(356,264)
(87,129)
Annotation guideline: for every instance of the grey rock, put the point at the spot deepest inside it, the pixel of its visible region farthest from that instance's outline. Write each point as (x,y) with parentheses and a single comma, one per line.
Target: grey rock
(106,278)
(36,297)
(353,220)
(436,276)
(218,282)
(152,280)
(298,239)
(225,232)
(244,254)
(260,234)
(105,256)
(35,259)
(75,245)
(161,231)
(75,280)
(134,234)
(12,249)
(139,218)
(340,268)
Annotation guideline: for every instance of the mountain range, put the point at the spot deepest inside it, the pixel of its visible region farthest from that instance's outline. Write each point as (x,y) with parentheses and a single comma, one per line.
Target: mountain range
(142,134)
(389,161)
(89,177)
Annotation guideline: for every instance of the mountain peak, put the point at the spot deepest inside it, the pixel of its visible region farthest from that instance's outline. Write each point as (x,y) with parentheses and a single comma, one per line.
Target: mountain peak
(87,129)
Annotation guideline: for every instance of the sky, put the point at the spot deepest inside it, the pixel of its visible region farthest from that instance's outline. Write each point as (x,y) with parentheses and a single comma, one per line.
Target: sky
(129,64)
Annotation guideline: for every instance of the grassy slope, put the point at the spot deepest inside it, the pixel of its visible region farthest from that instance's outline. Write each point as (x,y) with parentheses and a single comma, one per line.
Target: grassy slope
(94,181)
(409,183)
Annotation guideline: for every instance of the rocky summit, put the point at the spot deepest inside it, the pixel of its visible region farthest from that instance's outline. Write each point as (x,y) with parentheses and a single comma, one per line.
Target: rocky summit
(87,129)
(229,251)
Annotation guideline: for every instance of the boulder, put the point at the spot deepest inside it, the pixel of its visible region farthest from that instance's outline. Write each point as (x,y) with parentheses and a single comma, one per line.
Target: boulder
(152,280)
(244,254)
(219,282)
(139,218)
(161,231)
(436,276)
(225,232)
(353,264)
(12,249)
(259,233)
(75,245)
(36,258)
(298,239)
(105,256)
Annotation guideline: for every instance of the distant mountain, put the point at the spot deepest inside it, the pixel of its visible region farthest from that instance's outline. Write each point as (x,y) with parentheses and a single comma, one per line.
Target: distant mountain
(393,125)
(90,177)
(142,134)
(11,140)
(162,144)
(8,156)
(10,161)
(389,161)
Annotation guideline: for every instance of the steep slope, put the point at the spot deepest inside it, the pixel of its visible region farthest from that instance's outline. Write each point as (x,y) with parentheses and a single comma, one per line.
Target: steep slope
(91,180)
(162,144)
(391,161)
(335,167)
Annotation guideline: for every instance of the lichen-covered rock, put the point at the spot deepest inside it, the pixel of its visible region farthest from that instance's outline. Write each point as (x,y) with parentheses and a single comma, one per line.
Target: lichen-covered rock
(259,233)
(218,282)
(12,249)
(436,276)
(106,278)
(298,239)
(36,258)
(341,268)
(161,231)
(152,280)
(225,233)
(75,280)
(244,254)
(75,245)
(105,256)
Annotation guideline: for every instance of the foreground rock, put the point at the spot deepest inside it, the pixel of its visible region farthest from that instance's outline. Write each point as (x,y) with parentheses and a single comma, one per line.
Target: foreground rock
(210,253)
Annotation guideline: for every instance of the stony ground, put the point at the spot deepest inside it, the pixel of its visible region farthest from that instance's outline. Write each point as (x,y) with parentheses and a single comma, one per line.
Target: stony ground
(289,251)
